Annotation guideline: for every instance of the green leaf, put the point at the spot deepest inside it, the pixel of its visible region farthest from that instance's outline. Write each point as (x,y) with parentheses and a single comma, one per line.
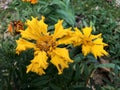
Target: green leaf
(54,87)
(82,88)
(108,65)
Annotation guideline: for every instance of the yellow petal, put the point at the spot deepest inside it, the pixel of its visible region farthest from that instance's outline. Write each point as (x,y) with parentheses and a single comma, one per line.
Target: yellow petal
(87,31)
(60,58)
(42,26)
(78,32)
(23,45)
(93,37)
(86,49)
(38,64)
(33,67)
(62,52)
(35,29)
(59,63)
(67,39)
(77,37)
(99,41)
(59,30)
(98,50)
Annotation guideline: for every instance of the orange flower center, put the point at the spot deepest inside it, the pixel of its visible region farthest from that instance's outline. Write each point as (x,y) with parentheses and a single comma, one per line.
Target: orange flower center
(46,43)
(87,41)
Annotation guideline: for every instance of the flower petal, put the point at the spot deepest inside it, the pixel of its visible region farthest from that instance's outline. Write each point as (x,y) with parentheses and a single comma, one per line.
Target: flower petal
(23,45)
(39,63)
(67,39)
(34,1)
(87,31)
(35,29)
(78,32)
(99,41)
(31,1)
(72,37)
(93,37)
(42,26)
(77,37)
(98,50)
(59,30)
(86,49)
(60,58)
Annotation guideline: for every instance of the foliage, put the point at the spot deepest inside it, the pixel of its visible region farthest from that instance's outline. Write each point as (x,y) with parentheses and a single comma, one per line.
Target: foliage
(102,15)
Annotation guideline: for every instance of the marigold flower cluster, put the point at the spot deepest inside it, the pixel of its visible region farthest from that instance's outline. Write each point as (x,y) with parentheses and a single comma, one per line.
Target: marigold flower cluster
(46,45)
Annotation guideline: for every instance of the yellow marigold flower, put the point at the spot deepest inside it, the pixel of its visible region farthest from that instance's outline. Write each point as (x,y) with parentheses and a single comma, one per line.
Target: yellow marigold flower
(31,1)
(45,46)
(90,43)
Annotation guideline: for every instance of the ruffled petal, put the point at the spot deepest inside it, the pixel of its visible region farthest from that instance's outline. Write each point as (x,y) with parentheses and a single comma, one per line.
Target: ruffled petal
(99,41)
(72,37)
(39,63)
(78,36)
(93,37)
(98,50)
(86,49)
(87,31)
(67,39)
(59,30)
(23,45)
(35,29)
(78,32)
(42,26)
(60,58)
